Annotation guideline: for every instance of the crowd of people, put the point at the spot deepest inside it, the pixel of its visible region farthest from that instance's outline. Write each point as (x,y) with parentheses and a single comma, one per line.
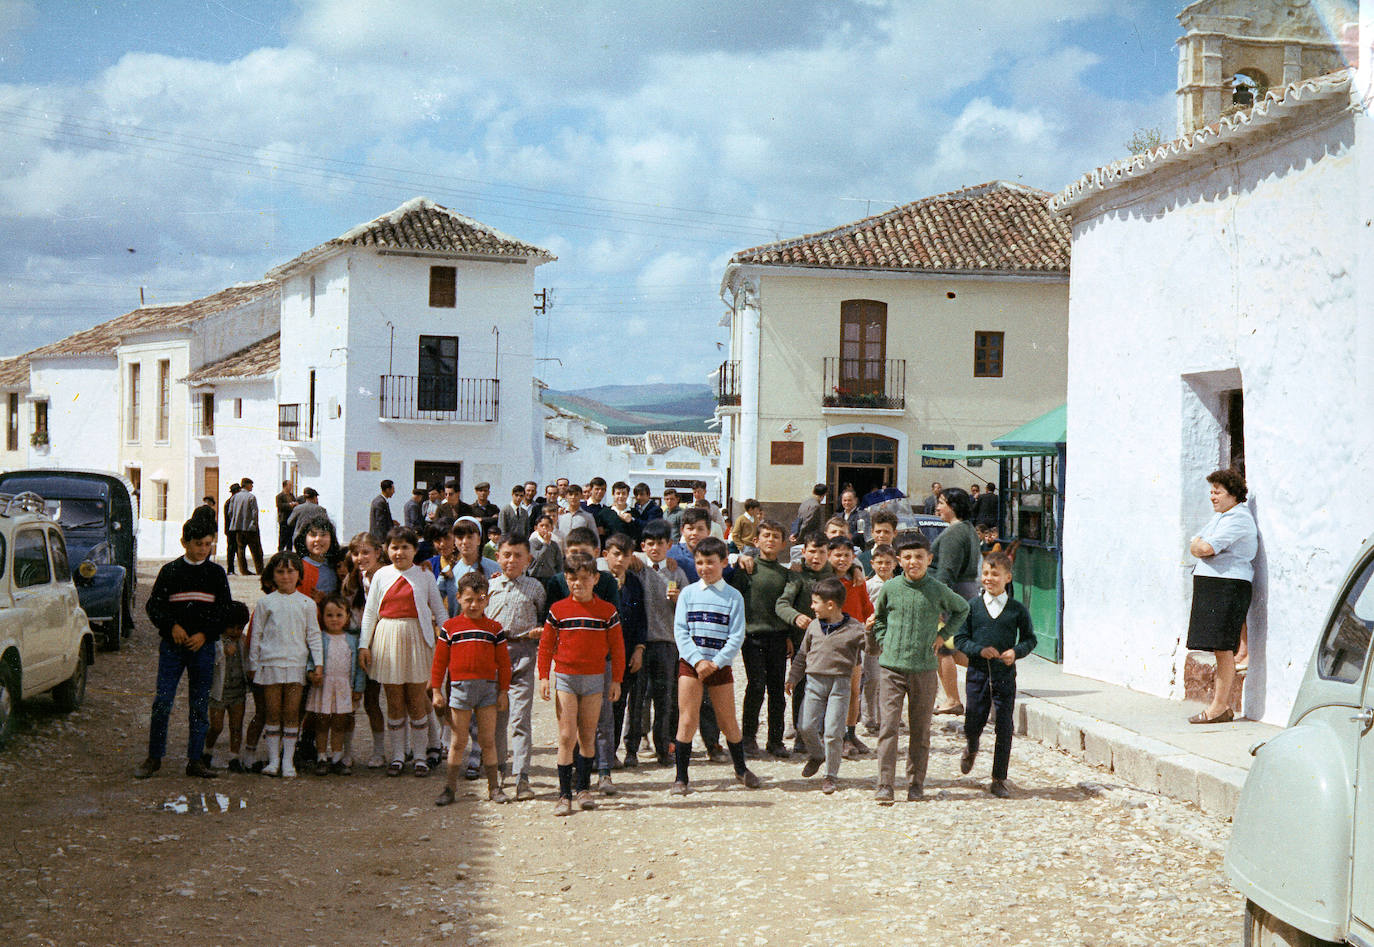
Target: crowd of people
(628,616)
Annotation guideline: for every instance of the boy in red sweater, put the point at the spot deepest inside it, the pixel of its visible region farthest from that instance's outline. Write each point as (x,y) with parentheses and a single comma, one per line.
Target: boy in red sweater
(471,650)
(580,632)
(858,606)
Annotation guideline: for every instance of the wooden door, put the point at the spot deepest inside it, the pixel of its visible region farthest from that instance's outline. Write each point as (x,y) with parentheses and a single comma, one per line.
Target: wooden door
(210,488)
(863,347)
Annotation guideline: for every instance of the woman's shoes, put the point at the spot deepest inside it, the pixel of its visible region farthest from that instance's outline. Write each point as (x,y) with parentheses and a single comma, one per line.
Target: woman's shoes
(1226,716)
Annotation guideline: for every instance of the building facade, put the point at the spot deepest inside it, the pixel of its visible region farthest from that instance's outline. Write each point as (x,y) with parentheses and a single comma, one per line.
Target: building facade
(940,324)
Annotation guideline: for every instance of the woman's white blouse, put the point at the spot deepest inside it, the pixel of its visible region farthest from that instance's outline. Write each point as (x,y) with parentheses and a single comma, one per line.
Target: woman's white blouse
(1235,539)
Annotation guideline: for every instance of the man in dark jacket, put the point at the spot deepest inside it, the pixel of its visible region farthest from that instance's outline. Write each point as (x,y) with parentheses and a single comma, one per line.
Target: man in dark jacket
(810,513)
(413,513)
(286,501)
(379,519)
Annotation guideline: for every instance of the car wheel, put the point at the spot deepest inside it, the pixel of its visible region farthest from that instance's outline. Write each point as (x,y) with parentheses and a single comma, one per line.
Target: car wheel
(1262,929)
(9,697)
(70,693)
(114,631)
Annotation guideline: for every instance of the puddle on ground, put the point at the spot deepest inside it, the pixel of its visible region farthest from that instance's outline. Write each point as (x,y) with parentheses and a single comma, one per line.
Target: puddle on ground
(202,802)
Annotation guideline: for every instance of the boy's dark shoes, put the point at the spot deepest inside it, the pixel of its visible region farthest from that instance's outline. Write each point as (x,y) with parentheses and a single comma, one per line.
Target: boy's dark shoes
(883,796)
(235,766)
(147,768)
(208,759)
(860,746)
(850,751)
(966,761)
(752,751)
(472,772)
(606,787)
(585,800)
(322,767)
(716,753)
(445,798)
(434,756)
(523,790)
(678,788)
(199,770)
(259,765)
(779,752)
(915,793)
(497,794)
(811,768)
(563,806)
(632,761)
(748,779)
(999,789)
(664,759)
(828,785)
(341,769)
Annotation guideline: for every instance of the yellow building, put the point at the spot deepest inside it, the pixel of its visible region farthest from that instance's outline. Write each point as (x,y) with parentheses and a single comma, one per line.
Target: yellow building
(940,324)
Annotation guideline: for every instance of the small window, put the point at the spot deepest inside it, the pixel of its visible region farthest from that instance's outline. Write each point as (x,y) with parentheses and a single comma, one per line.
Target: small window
(12,422)
(206,425)
(987,354)
(160,500)
(238,408)
(40,423)
(132,402)
(443,287)
(312,296)
(1345,646)
(61,569)
(31,559)
(164,399)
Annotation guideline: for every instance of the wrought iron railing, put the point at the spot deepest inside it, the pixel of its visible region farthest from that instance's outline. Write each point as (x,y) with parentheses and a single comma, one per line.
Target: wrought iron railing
(439,398)
(864,383)
(727,384)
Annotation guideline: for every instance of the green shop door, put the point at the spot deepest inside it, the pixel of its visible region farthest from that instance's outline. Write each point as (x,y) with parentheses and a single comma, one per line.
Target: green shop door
(1036,575)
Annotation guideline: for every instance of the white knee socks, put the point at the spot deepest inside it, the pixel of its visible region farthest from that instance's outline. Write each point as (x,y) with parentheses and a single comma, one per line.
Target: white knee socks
(419,736)
(272,737)
(396,739)
(288,751)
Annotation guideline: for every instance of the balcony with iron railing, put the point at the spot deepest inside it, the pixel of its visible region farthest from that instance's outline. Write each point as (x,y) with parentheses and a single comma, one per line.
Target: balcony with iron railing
(439,398)
(864,384)
(727,384)
(296,422)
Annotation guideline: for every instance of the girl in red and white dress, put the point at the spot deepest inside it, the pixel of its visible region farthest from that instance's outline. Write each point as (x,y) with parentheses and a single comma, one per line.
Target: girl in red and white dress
(396,647)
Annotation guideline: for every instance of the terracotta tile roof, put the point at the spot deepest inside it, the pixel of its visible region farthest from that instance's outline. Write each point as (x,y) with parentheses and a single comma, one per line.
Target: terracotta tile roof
(258,360)
(661,442)
(998,227)
(421,224)
(635,441)
(14,372)
(1276,106)
(103,339)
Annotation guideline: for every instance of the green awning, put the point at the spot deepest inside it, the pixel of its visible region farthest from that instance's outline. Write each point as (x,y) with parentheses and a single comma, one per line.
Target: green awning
(984,454)
(1044,435)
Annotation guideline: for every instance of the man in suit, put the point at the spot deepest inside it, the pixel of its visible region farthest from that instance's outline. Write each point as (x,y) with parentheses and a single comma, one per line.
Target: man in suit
(231,543)
(485,510)
(243,521)
(849,512)
(514,518)
(413,512)
(810,513)
(379,519)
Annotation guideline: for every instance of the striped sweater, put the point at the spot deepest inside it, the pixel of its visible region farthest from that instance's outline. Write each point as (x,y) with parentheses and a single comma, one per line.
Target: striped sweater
(469,649)
(579,636)
(709,625)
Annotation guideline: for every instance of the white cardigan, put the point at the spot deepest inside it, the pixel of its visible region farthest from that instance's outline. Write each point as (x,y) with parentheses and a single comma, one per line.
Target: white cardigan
(428,602)
(284,632)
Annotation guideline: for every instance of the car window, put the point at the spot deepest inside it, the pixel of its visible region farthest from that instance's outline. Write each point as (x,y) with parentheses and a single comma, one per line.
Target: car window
(62,571)
(30,559)
(3,560)
(1345,646)
(78,513)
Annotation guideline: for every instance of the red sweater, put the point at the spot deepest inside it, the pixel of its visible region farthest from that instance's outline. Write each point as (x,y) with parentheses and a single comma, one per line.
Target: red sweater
(471,650)
(578,636)
(857,604)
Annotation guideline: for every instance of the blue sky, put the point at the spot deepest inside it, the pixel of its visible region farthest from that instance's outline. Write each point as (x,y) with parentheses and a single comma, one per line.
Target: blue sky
(182,147)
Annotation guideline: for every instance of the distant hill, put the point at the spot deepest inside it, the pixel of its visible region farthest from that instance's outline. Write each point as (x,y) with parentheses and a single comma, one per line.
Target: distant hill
(634,409)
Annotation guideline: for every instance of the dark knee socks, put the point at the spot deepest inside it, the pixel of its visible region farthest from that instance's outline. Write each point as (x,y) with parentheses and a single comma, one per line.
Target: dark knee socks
(682,756)
(737,755)
(584,766)
(565,779)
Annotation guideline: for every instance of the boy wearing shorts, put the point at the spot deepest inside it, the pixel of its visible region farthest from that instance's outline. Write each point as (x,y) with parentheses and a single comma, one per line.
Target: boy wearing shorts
(471,650)
(709,628)
(580,633)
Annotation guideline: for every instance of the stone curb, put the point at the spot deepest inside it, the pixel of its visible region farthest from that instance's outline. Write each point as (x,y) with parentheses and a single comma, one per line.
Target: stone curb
(1147,763)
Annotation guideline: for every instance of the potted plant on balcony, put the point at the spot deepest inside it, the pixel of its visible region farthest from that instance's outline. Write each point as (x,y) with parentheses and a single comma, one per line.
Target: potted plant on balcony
(39,438)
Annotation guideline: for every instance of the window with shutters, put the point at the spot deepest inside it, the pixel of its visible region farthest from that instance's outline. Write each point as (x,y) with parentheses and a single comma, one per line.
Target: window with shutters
(443,287)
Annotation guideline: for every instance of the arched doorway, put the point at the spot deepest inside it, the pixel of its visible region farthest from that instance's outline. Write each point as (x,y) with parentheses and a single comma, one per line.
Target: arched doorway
(863,461)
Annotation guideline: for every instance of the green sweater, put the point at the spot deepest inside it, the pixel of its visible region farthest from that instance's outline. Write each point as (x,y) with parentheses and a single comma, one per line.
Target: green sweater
(907,619)
(796,594)
(761,592)
(956,554)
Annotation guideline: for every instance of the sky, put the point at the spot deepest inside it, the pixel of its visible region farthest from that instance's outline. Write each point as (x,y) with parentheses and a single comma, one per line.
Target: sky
(184,147)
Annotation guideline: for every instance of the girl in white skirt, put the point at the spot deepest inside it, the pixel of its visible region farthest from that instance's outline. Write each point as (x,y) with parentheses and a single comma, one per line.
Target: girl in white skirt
(397,645)
(332,700)
(284,641)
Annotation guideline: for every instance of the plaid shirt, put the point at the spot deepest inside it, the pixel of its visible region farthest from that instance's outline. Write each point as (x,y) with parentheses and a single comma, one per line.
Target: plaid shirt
(517,604)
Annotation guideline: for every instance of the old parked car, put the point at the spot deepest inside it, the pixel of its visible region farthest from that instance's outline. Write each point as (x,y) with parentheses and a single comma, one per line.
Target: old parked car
(1302,846)
(45,639)
(96,512)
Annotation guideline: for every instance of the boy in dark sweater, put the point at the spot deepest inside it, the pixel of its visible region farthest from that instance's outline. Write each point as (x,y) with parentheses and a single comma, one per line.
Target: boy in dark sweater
(766,641)
(830,652)
(998,633)
(189,606)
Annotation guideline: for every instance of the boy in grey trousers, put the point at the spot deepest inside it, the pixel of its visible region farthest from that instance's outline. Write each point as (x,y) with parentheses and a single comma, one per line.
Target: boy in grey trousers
(830,650)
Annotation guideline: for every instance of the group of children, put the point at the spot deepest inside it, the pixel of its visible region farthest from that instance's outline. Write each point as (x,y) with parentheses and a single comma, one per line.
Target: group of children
(635,646)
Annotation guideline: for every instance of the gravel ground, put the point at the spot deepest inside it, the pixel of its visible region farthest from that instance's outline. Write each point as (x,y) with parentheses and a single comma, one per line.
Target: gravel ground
(95,857)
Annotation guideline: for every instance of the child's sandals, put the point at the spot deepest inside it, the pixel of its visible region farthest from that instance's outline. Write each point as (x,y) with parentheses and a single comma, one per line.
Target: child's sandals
(395,768)
(421,768)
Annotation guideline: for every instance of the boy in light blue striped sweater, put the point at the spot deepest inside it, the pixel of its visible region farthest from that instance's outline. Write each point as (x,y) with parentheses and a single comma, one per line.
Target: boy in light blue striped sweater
(709,628)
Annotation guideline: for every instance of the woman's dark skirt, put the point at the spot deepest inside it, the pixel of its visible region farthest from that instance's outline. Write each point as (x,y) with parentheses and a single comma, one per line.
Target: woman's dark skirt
(1219,609)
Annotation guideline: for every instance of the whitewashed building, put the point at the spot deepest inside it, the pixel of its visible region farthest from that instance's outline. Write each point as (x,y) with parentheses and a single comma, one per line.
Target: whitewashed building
(1220,314)
(676,459)
(577,448)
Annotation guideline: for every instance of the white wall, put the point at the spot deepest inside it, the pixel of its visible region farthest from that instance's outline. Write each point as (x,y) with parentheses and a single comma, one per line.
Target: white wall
(1246,270)
(83,412)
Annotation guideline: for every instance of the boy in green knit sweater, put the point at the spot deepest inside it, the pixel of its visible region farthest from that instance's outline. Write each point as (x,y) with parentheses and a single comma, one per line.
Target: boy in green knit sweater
(906,621)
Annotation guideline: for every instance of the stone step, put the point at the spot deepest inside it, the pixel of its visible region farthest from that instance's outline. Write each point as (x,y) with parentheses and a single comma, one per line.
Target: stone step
(1199,680)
